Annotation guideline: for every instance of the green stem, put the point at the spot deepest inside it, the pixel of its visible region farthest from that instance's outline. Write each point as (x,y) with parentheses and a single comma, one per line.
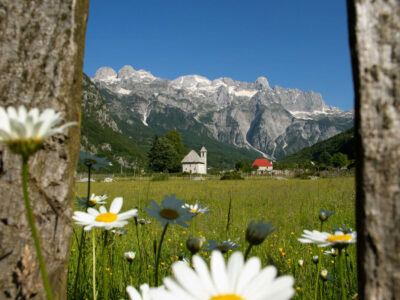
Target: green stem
(247,251)
(88,189)
(81,247)
(139,249)
(82,242)
(158,254)
(320,291)
(94,263)
(105,278)
(317,279)
(341,267)
(31,222)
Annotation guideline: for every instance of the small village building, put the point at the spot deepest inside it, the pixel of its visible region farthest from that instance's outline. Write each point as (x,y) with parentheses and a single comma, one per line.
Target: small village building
(194,163)
(263,165)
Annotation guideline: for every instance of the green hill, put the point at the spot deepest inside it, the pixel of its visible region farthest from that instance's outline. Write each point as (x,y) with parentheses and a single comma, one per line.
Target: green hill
(343,142)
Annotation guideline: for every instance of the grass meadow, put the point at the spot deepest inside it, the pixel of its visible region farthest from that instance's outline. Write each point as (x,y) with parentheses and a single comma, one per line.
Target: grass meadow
(291,206)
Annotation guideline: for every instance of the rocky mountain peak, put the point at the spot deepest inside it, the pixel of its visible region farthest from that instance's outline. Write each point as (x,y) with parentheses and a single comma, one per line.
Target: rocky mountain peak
(261,83)
(105,74)
(126,72)
(191,81)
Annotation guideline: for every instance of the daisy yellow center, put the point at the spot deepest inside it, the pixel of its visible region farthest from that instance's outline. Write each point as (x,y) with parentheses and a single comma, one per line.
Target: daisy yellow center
(222,248)
(90,161)
(227,297)
(38,138)
(93,200)
(193,211)
(339,238)
(107,217)
(169,214)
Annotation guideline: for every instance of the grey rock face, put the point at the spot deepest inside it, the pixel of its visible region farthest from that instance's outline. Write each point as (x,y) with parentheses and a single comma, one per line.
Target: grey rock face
(94,106)
(274,121)
(261,83)
(104,73)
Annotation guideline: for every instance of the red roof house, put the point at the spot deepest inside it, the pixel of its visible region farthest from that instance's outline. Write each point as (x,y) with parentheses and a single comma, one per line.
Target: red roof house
(261,162)
(263,165)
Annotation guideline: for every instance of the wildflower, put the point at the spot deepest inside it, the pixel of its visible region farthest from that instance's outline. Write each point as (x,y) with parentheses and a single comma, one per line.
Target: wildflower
(194,244)
(170,211)
(256,233)
(147,293)
(92,161)
(197,208)
(85,203)
(130,256)
(24,132)
(224,247)
(324,239)
(298,288)
(97,199)
(143,221)
(343,229)
(102,218)
(119,231)
(315,259)
(324,214)
(300,262)
(331,252)
(237,280)
(325,275)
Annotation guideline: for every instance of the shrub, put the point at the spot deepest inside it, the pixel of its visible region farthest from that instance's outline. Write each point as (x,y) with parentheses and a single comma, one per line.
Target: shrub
(231,176)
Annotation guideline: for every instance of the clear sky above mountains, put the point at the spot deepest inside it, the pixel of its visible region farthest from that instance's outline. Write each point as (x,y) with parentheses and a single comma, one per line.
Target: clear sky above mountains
(294,44)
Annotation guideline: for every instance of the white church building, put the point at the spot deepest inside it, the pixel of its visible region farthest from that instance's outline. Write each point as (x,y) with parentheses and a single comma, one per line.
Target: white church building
(195,164)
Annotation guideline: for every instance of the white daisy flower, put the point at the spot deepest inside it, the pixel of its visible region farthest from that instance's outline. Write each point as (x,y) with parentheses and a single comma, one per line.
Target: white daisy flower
(24,132)
(170,211)
(325,239)
(197,208)
(102,218)
(98,199)
(130,256)
(238,280)
(147,293)
(331,252)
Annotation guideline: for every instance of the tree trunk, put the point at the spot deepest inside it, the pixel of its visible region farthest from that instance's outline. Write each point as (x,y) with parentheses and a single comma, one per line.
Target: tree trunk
(41,58)
(375,47)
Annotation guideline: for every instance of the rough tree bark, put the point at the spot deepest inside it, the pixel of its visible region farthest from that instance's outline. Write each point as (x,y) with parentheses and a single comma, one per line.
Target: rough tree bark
(374,28)
(41,59)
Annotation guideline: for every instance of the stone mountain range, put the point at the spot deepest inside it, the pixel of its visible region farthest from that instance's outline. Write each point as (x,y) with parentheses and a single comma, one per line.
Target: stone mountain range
(274,121)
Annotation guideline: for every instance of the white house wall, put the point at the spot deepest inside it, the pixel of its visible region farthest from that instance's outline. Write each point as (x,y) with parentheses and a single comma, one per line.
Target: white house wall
(194,168)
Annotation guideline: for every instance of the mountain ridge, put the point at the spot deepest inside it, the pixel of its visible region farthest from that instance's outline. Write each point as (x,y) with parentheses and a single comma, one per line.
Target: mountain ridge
(273,121)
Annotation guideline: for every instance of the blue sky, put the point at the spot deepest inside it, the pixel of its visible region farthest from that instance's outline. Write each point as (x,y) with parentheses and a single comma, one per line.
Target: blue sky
(294,44)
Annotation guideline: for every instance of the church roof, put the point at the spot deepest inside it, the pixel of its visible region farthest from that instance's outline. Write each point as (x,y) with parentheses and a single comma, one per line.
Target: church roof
(192,157)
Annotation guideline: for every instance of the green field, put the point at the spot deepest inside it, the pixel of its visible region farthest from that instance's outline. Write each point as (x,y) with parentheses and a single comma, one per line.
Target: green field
(291,206)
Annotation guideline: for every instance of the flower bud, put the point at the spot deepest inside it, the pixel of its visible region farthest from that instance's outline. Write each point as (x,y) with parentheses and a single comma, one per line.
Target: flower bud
(324,274)
(315,259)
(324,214)
(194,244)
(256,233)
(130,256)
(300,263)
